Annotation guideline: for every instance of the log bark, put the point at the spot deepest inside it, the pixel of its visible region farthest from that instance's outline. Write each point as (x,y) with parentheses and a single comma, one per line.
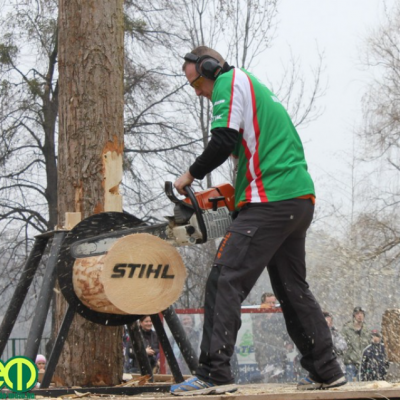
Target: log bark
(391,334)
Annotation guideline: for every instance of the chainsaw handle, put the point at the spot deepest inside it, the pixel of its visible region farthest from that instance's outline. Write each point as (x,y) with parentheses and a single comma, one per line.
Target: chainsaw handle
(169,191)
(198,212)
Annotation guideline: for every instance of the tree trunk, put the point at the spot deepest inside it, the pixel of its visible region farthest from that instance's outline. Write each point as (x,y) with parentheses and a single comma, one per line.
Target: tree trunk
(91,55)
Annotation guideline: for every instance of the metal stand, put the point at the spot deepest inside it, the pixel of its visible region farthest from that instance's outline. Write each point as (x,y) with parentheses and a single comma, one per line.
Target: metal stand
(57,348)
(139,348)
(40,315)
(43,303)
(166,345)
(21,290)
(181,339)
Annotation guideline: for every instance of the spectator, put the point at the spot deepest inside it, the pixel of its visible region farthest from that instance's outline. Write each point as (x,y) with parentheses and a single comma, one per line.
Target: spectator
(268,300)
(129,355)
(40,362)
(292,356)
(269,339)
(374,362)
(150,340)
(356,334)
(339,343)
(193,335)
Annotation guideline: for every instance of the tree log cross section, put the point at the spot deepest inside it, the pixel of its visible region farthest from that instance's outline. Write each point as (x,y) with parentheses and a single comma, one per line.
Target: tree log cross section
(140,274)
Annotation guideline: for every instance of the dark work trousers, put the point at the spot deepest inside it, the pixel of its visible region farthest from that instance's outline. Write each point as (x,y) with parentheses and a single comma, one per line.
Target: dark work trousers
(269,234)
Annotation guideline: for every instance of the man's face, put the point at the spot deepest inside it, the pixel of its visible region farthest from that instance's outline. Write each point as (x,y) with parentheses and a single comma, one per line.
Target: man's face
(376,339)
(187,321)
(269,302)
(205,86)
(359,316)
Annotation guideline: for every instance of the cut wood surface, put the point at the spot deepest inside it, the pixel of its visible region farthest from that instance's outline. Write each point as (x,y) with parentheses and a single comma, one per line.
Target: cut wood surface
(140,274)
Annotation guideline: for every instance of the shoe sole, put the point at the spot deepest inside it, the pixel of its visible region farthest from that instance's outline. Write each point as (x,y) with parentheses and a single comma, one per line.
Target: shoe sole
(315,386)
(211,390)
(333,386)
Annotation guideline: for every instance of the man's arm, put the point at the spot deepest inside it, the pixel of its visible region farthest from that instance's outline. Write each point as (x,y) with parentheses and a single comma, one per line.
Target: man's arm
(218,150)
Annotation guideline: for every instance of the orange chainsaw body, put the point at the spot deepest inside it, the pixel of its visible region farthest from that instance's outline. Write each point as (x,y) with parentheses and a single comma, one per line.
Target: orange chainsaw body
(224,189)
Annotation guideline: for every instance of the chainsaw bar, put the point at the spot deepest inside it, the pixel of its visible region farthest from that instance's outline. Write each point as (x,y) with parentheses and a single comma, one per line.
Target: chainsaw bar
(100,244)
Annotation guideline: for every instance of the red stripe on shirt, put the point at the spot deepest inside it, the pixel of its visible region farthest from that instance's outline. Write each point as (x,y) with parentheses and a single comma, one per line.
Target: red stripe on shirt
(259,184)
(230,104)
(248,173)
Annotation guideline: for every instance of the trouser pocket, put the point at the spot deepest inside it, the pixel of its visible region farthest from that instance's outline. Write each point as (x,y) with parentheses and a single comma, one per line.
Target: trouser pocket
(234,246)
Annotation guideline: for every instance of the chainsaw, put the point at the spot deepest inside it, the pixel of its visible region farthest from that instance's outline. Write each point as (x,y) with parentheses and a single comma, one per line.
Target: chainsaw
(198,218)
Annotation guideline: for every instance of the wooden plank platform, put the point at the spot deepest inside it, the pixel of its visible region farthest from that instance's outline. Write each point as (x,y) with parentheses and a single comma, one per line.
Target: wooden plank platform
(357,390)
(265,391)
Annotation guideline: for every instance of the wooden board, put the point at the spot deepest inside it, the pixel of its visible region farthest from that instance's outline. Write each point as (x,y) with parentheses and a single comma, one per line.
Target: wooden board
(357,390)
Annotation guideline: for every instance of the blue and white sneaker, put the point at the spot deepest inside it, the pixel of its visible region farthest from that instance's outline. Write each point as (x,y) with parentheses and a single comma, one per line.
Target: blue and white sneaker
(195,386)
(339,382)
(308,384)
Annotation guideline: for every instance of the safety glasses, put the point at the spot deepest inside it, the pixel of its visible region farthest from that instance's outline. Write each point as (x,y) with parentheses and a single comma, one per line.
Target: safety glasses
(197,82)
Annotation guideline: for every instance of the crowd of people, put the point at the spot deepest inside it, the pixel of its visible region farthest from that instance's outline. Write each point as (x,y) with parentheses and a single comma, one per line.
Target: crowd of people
(358,348)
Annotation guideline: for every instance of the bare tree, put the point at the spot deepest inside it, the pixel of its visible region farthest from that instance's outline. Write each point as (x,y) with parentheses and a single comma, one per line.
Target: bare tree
(28,115)
(381,135)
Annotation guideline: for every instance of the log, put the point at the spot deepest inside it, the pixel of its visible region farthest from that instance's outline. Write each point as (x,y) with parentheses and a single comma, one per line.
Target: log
(140,274)
(391,334)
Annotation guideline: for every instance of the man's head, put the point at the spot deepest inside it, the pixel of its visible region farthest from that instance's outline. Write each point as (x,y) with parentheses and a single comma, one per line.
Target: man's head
(202,66)
(187,321)
(375,336)
(358,314)
(268,300)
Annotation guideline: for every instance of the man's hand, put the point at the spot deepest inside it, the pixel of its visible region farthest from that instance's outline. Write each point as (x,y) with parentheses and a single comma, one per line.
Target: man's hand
(150,351)
(184,180)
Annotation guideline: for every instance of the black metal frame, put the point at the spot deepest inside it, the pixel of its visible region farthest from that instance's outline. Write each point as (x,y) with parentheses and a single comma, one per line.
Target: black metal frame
(40,315)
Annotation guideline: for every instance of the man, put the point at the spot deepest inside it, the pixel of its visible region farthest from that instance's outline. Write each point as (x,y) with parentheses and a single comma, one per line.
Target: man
(374,362)
(274,195)
(357,337)
(268,301)
(269,340)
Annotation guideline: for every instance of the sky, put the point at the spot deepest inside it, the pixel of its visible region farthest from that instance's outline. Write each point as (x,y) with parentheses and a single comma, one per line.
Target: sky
(339,28)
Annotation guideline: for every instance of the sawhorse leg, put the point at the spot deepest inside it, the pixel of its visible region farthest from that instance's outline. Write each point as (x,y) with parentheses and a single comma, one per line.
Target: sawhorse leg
(43,304)
(166,345)
(139,348)
(21,290)
(57,348)
(181,339)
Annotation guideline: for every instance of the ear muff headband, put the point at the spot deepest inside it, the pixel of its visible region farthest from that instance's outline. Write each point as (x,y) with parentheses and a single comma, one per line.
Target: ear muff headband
(206,66)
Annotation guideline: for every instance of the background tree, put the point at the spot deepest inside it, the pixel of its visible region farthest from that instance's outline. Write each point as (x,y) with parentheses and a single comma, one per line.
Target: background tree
(363,249)
(28,126)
